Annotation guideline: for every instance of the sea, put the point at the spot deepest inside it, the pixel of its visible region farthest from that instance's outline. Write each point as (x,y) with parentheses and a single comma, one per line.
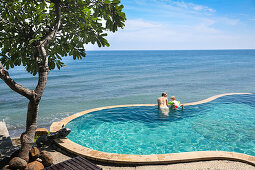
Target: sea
(105,78)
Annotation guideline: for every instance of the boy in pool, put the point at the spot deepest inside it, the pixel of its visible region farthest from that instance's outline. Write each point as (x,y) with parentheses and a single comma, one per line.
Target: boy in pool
(174,103)
(163,103)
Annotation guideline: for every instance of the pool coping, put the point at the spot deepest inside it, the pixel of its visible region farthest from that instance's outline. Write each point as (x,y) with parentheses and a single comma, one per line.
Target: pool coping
(77,149)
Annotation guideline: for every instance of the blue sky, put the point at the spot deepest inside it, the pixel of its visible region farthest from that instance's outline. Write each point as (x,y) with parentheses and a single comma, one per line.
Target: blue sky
(185,25)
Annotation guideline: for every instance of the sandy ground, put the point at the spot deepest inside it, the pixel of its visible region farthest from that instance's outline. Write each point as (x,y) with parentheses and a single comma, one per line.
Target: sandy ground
(60,155)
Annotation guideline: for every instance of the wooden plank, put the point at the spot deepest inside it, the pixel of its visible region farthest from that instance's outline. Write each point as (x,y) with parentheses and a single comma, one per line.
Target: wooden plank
(92,164)
(88,163)
(60,166)
(84,165)
(71,164)
(55,168)
(77,163)
(67,165)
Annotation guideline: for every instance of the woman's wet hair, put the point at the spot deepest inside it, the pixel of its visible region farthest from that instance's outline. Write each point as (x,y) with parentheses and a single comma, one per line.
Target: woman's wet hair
(164,93)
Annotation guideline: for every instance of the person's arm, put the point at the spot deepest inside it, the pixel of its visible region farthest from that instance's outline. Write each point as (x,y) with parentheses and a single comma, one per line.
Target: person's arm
(167,102)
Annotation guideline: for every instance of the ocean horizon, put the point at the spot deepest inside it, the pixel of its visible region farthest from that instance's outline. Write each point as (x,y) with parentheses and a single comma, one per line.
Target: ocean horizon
(105,78)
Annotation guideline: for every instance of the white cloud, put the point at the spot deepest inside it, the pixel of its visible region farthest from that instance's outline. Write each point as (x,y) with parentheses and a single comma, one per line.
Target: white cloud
(180,25)
(139,24)
(145,35)
(205,28)
(203,8)
(192,7)
(229,21)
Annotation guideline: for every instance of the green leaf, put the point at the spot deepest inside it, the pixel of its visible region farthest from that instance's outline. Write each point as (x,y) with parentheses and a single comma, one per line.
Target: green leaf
(31,21)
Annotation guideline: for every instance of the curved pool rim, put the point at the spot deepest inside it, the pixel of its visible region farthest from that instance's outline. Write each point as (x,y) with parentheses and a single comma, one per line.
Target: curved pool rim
(77,149)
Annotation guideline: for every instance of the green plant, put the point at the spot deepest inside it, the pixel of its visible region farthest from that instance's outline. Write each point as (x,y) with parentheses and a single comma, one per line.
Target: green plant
(37,34)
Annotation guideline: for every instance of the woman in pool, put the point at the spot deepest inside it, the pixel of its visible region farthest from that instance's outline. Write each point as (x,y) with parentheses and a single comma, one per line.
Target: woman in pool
(163,103)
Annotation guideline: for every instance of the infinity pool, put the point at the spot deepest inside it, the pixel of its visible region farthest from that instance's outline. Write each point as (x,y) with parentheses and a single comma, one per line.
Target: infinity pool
(225,124)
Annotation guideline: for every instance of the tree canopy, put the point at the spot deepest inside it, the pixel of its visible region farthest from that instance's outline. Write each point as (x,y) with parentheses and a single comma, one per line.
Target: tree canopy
(38,33)
(24,24)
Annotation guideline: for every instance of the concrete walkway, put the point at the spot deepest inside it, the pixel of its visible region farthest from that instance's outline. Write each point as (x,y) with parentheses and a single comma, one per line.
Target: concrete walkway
(61,155)
(203,165)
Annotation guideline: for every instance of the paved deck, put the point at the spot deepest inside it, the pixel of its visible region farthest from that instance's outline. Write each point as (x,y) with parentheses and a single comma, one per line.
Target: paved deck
(59,156)
(203,165)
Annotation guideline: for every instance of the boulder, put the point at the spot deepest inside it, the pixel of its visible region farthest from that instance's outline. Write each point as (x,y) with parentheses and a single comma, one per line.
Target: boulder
(6,167)
(49,139)
(34,166)
(39,160)
(47,159)
(34,153)
(17,163)
(5,161)
(15,153)
(41,131)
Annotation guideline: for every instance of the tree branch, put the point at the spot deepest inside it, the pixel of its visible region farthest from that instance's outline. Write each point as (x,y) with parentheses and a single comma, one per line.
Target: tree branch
(4,75)
(43,64)
(53,33)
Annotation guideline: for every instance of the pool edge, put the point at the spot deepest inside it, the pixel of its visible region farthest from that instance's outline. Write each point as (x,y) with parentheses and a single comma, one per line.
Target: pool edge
(147,159)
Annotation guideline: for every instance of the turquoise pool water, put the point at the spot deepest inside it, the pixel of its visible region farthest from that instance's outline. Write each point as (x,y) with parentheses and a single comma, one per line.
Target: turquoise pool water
(225,124)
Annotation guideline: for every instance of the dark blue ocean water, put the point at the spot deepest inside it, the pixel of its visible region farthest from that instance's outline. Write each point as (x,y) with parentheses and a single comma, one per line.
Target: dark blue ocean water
(129,77)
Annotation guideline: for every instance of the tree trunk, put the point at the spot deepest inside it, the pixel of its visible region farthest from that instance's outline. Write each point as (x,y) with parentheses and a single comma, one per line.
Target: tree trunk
(27,138)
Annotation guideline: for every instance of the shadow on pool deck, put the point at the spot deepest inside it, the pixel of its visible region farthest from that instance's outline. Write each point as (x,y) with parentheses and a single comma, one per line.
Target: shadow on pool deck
(5,141)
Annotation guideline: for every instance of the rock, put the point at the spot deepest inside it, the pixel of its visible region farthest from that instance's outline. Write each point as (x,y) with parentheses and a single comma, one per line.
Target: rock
(4,162)
(16,141)
(34,166)
(41,131)
(43,140)
(47,159)
(17,163)
(49,139)
(34,153)
(59,149)
(6,167)
(61,133)
(15,154)
(39,160)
